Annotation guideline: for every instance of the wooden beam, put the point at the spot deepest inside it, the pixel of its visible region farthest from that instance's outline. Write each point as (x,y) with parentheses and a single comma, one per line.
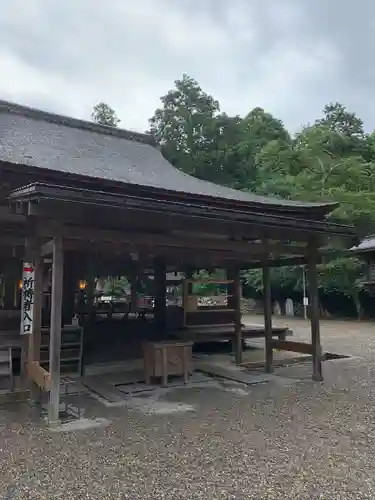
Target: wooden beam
(55,335)
(260,225)
(314,311)
(286,345)
(179,256)
(162,240)
(267,317)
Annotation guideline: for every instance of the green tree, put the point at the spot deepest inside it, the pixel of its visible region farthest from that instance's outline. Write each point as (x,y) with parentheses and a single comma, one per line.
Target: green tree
(115,285)
(104,115)
(258,129)
(340,120)
(184,125)
(262,127)
(322,164)
(221,160)
(345,131)
(331,160)
(341,275)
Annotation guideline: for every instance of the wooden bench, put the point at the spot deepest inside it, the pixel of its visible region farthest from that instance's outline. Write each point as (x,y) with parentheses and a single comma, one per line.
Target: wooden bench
(217,333)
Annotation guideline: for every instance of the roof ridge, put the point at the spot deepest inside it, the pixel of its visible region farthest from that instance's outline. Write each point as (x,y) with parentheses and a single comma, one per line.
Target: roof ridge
(38,114)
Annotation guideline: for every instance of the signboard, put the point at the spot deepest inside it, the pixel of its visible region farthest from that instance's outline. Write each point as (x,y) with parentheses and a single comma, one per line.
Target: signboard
(27,300)
(305,301)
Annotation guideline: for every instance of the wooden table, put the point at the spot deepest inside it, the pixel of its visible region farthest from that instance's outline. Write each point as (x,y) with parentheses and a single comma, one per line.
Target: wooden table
(165,358)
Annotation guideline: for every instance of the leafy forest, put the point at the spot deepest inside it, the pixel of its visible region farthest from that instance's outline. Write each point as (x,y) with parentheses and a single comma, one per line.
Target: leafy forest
(332,159)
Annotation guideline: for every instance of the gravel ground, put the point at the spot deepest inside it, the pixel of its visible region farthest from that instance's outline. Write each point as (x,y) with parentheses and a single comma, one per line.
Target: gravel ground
(300,440)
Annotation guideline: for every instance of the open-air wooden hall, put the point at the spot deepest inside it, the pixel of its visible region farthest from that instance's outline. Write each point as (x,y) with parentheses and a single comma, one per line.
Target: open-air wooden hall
(80,200)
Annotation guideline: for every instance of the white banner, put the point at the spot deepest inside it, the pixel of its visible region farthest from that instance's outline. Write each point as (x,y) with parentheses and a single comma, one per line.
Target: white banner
(27,300)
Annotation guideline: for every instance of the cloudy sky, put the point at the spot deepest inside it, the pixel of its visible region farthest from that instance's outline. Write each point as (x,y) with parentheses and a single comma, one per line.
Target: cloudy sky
(288,56)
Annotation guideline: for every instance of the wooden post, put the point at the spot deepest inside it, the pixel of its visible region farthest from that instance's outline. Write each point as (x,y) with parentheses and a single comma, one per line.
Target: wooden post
(237,314)
(134,287)
(55,334)
(267,317)
(35,339)
(90,290)
(69,287)
(234,302)
(314,312)
(160,295)
(187,289)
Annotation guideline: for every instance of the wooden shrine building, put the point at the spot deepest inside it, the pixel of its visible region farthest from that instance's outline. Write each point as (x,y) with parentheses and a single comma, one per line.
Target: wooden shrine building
(83,199)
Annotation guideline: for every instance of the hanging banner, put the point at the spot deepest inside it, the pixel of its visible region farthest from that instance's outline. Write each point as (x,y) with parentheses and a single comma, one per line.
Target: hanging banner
(27,298)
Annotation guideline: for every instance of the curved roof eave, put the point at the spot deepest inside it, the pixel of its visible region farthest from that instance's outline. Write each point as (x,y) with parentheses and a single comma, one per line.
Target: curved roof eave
(67,145)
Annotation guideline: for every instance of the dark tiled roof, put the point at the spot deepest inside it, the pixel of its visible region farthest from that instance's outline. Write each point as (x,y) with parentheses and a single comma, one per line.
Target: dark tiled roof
(44,140)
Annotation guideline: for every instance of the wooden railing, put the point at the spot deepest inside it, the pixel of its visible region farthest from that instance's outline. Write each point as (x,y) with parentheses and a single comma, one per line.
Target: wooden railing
(286,345)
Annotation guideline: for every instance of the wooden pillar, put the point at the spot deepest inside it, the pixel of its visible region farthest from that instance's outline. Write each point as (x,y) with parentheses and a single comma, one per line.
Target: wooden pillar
(267,317)
(237,314)
(314,312)
(134,286)
(55,335)
(187,289)
(70,281)
(234,302)
(35,338)
(90,290)
(160,293)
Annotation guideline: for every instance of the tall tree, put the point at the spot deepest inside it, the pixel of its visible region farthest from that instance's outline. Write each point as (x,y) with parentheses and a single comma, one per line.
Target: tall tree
(103,114)
(184,125)
(340,120)
(258,128)
(221,160)
(331,160)
(262,127)
(323,164)
(347,128)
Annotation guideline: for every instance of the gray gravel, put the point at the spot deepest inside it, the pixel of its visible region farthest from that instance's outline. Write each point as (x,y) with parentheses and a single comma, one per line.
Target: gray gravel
(299,441)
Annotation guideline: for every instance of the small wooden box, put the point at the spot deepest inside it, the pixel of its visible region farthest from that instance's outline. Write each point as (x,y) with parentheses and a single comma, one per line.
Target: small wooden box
(162,359)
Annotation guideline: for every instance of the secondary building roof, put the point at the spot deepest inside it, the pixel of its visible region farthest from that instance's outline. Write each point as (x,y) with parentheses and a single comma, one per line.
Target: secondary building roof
(366,245)
(43,140)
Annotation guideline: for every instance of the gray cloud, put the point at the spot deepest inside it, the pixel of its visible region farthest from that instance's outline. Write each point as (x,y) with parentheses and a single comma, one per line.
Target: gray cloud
(290,57)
